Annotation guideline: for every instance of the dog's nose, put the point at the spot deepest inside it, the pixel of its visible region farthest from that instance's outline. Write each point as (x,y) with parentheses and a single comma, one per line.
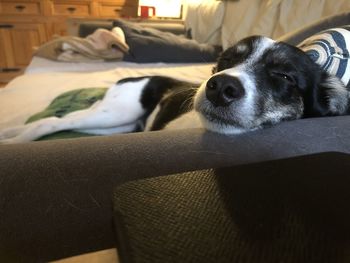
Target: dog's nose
(223,89)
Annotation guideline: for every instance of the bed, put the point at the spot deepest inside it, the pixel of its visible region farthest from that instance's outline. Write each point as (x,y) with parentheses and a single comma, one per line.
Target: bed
(209,23)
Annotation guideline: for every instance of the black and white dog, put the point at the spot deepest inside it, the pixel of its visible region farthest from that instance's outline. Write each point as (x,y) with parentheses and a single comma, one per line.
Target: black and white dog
(257,83)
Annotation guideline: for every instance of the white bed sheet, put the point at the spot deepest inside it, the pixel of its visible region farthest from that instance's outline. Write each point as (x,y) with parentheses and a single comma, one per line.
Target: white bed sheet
(44,80)
(42,65)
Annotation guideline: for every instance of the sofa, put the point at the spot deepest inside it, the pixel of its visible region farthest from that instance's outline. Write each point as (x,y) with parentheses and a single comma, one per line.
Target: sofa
(60,198)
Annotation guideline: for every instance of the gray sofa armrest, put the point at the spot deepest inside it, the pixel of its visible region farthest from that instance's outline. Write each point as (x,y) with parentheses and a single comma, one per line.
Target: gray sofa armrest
(290,210)
(297,36)
(55,196)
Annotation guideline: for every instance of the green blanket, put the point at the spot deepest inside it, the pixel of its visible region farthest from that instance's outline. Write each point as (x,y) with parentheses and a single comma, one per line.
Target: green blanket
(68,102)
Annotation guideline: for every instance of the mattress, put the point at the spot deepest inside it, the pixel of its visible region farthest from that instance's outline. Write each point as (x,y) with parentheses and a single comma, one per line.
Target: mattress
(44,80)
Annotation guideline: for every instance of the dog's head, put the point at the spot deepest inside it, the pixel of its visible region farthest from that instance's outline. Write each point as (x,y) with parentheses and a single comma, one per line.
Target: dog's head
(259,82)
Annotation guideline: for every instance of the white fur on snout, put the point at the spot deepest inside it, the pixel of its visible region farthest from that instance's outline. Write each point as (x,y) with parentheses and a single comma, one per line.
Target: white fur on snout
(247,103)
(243,110)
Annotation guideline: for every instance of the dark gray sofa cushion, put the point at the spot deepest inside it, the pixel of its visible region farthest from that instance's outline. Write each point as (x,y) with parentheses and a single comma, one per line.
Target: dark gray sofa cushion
(152,45)
(297,36)
(290,210)
(63,188)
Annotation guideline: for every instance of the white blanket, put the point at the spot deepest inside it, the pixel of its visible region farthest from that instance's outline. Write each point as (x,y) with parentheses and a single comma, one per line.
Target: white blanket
(32,92)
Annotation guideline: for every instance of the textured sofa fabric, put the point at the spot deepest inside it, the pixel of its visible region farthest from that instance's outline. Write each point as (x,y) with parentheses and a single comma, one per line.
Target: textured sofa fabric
(56,195)
(290,210)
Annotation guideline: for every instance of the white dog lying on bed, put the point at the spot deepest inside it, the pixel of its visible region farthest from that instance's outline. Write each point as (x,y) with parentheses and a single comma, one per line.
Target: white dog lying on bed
(257,83)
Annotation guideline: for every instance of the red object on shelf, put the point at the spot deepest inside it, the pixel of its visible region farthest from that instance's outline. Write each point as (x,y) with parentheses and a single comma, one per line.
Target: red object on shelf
(145,11)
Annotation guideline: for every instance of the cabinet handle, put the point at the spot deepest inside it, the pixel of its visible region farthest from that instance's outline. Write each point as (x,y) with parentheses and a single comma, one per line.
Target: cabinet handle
(20,8)
(6,70)
(117,10)
(71,9)
(6,26)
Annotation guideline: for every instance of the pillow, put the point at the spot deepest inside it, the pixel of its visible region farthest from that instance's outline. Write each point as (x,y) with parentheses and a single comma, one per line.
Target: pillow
(330,49)
(151,45)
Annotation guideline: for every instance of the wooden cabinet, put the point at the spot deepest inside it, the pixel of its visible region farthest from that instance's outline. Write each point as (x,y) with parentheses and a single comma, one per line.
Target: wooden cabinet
(17,43)
(26,24)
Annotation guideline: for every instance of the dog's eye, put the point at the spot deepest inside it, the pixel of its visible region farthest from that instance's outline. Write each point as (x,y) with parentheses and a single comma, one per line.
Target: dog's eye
(283,76)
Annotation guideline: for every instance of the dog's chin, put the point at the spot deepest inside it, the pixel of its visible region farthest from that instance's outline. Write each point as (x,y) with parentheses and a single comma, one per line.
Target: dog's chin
(219,125)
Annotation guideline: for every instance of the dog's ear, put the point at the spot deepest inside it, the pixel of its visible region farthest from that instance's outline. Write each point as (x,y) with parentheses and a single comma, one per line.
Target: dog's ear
(335,95)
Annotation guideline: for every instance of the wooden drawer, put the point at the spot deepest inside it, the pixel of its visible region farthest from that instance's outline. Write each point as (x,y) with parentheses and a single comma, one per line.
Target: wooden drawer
(116,9)
(109,10)
(66,8)
(20,8)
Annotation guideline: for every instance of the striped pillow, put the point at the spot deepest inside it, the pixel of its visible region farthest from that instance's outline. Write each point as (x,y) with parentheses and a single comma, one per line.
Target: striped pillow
(330,49)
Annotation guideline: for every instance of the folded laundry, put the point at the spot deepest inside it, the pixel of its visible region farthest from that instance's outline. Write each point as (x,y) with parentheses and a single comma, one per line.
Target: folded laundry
(101,45)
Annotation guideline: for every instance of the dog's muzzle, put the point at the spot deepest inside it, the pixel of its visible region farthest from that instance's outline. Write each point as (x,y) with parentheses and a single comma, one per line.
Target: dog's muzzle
(222,90)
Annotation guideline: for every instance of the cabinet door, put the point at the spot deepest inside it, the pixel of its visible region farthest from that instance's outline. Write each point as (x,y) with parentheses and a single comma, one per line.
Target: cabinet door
(6,54)
(18,43)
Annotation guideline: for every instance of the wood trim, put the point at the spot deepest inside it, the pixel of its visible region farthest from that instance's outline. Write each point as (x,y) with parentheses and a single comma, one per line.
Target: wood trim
(7,77)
